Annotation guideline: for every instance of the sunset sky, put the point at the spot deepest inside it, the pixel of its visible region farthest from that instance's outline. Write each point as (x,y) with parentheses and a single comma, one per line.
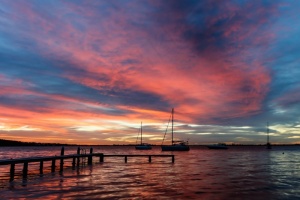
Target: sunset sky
(89,72)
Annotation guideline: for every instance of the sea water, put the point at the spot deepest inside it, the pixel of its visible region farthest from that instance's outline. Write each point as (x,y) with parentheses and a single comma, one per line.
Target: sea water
(241,172)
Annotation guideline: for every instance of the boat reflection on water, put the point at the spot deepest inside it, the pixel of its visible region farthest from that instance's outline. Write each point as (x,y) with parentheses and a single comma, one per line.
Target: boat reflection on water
(218,146)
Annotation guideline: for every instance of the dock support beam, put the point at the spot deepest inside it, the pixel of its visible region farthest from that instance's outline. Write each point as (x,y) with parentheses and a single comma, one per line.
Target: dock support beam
(12,172)
(173,158)
(125,159)
(25,170)
(73,163)
(78,159)
(41,167)
(149,159)
(61,168)
(90,159)
(53,165)
(101,158)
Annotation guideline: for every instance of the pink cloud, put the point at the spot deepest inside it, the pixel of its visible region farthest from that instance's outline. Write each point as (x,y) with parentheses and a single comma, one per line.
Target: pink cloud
(201,86)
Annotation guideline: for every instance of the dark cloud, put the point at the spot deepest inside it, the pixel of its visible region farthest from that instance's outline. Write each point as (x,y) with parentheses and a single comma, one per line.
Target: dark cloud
(218,25)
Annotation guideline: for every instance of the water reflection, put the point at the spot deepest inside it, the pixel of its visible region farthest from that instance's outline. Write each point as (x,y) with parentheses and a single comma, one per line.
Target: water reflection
(237,173)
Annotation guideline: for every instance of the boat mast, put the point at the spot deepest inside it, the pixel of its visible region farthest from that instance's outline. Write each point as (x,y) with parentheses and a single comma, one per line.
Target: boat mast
(172,124)
(268,141)
(141,134)
(267,133)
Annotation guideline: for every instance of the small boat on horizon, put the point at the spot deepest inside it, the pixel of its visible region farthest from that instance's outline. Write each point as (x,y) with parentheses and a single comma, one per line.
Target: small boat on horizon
(179,145)
(143,146)
(218,146)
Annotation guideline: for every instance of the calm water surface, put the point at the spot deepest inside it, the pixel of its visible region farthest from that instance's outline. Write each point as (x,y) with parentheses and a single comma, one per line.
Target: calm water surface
(236,173)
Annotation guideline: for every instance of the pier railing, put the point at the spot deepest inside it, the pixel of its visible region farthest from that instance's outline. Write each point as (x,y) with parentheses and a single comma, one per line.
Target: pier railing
(75,161)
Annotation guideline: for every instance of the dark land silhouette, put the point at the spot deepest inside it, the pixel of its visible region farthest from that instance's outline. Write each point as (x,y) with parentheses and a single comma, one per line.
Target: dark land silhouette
(18,143)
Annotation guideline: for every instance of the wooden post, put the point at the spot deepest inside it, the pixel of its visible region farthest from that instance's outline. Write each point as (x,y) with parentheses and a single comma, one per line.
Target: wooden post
(102,158)
(53,165)
(125,159)
(41,167)
(173,158)
(90,158)
(12,172)
(73,163)
(78,161)
(61,168)
(62,152)
(78,158)
(149,159)
(25,170)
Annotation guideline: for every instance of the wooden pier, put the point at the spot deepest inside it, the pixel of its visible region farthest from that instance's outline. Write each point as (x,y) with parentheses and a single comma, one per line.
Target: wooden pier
(139,155)
(75,161)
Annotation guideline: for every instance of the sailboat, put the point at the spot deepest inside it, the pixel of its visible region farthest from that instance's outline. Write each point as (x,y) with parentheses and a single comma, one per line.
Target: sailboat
(176,145)
(268,142)
(143,146)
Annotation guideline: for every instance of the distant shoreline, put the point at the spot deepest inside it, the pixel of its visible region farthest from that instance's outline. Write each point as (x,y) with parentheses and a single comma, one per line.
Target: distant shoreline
(4,142)
(18,143)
